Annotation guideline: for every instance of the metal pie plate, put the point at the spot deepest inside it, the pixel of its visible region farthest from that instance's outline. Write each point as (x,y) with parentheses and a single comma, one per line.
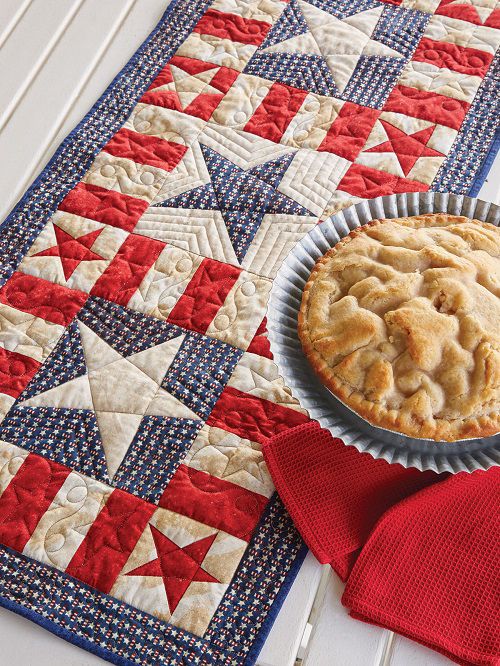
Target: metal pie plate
(465,455)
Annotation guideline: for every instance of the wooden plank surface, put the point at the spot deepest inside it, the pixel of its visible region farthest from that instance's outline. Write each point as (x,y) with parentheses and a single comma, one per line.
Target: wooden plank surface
(56,58)
(337,639)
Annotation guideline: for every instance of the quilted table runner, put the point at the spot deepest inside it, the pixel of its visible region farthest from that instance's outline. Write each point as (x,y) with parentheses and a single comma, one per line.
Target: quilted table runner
(137,517)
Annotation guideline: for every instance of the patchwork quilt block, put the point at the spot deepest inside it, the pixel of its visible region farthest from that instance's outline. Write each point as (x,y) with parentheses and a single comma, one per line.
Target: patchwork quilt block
(137,516)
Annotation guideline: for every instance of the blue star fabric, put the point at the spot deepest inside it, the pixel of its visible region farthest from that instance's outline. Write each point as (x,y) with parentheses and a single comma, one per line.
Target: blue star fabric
(242,196)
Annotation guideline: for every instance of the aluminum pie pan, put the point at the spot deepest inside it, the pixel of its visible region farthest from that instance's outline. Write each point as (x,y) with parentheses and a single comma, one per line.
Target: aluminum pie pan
(465,455)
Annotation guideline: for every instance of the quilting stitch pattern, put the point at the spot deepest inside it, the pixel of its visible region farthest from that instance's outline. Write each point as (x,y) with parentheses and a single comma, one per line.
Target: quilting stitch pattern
(136,384)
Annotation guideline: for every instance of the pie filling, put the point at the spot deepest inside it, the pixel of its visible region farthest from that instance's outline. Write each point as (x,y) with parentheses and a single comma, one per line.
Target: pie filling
(401,320)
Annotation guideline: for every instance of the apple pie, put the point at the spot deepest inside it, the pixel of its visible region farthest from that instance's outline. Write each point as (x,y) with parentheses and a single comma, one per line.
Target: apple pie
(401,321)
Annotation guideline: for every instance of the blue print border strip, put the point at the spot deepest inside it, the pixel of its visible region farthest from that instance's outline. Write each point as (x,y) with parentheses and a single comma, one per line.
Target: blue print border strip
(474,149)
(127,636)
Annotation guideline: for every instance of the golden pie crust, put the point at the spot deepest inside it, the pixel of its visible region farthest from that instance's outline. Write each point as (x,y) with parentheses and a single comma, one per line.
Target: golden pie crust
(401,320)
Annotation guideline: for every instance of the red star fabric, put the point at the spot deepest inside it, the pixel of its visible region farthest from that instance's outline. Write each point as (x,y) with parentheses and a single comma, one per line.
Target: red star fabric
(72,251)
(178,567)
(408,148)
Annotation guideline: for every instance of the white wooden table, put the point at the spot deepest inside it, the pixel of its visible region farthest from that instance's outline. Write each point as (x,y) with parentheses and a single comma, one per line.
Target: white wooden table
(57,57)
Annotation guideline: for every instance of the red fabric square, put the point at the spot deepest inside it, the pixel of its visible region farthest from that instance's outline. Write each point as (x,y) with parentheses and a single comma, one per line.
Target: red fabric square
(252,417)
(467,12)
(233,27)
(106,206)
(27,497)
(16,370)
(125,273)
(111,538)
(276,111)
(349,131)
(44,299)
(363,181)
(145,149)
(213,501)
(204,295)
(427,106)
(460,59)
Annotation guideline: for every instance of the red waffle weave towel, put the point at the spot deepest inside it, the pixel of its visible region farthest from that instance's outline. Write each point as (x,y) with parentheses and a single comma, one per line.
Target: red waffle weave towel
(420,551)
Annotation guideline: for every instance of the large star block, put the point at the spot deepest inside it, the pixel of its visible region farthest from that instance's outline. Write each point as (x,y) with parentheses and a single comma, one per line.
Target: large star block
(184,565)
(73,251)
(317,46)
(101,387)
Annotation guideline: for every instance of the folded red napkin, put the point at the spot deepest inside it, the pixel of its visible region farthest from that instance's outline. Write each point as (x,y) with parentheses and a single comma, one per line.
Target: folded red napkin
(420,551)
